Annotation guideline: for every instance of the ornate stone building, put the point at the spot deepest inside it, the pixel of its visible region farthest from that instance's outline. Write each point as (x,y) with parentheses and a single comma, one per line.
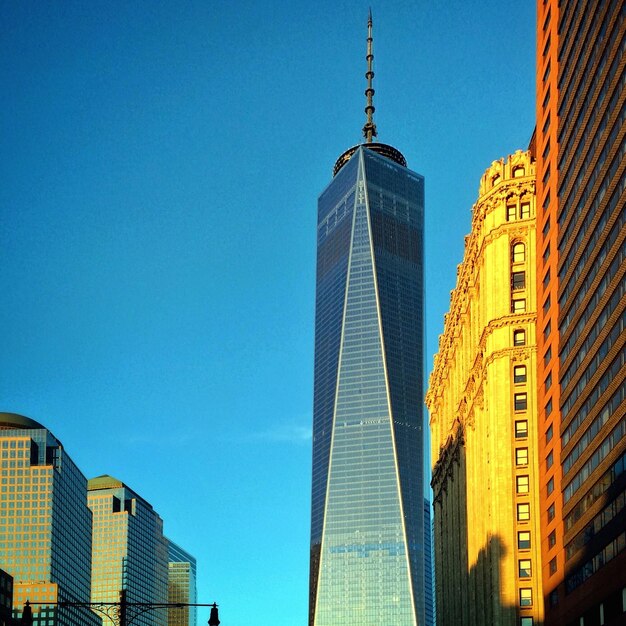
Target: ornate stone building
(482,403)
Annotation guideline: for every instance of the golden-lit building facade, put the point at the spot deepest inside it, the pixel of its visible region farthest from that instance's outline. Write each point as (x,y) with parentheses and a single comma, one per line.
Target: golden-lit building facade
(181,586)
(129,552)
(482,402)
(45,525)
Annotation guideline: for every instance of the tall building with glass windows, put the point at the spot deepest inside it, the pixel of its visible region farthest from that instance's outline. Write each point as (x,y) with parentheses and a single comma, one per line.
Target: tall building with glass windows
(429,574)
(129,553)
(181,586)
(367,534)
(45,525)
(581,195)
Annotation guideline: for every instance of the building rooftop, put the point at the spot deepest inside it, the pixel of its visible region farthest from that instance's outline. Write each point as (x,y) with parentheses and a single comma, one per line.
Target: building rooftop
(104,482)
(12,421)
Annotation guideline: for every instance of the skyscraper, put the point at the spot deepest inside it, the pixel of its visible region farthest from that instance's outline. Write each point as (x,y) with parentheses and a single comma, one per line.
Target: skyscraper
(367,553)
(45,525)
(581,193)
(429,582)
(181,585)
(483,416)
(129,552)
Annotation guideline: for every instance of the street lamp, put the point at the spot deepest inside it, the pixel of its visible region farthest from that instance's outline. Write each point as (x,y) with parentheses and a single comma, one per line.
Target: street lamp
(122,612)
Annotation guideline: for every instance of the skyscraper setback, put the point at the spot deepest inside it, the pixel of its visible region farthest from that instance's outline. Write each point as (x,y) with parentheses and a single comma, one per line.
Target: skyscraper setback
(367,556)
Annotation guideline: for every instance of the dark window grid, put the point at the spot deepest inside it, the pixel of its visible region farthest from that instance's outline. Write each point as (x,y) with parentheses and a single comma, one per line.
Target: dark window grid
(568,402)
(609,443)
(573,82)
(611,406)
(581,293)
(595,525)
(589,435)
(597,91)
(591,333)
(599,174)
(566,229)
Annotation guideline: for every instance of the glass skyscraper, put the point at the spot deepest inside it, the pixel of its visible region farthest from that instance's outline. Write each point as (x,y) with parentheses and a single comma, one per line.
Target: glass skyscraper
(181,586)
(130,553)
(45,525)
(367,557)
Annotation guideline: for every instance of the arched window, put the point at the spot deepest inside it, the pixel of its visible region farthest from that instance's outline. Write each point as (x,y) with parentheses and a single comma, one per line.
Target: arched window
(518,172)
(518,252)
(495,180)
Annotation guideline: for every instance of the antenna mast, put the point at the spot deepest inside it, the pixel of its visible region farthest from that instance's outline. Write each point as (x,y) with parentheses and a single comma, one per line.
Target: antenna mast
(369,130)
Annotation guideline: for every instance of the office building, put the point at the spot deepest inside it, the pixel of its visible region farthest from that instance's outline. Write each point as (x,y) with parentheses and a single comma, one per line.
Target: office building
(429,578)
(6,598)
(367,545)
(129,553)
(181,586)
(482,401)
(45,525)
(581,183)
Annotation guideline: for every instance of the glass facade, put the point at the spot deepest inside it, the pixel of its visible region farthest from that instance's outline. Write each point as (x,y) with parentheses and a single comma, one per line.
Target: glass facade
(429,567)
(181,586)
(129,551)
(45,525)
(367,526)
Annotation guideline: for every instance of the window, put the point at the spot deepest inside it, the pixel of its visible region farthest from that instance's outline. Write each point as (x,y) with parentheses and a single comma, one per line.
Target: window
(523,512)
(518,172)
(521,456)
(525,597)
(549,407)
(495,180)
(550,486)
(552,566)
(546,228)
(524,568)
(546,305)
(546,279)
(524,210)
(511,210)
(518,280)
(521,484)
(549,433)
(547,357)
(551,512)
(546,253)
(547,330)
(519,374)
(520,401)
(548,382)
(526,621)
(546,202)
(518,305)
(521,429)
(518,252)
(552,539)
(553,598)
(549,459)
(519,337)
(523,540)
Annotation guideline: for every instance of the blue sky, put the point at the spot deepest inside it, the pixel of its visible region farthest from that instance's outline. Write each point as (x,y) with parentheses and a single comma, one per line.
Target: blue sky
(161,163)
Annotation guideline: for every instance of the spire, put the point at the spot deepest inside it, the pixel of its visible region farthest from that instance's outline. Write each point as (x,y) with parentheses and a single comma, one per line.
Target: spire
(369,130)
